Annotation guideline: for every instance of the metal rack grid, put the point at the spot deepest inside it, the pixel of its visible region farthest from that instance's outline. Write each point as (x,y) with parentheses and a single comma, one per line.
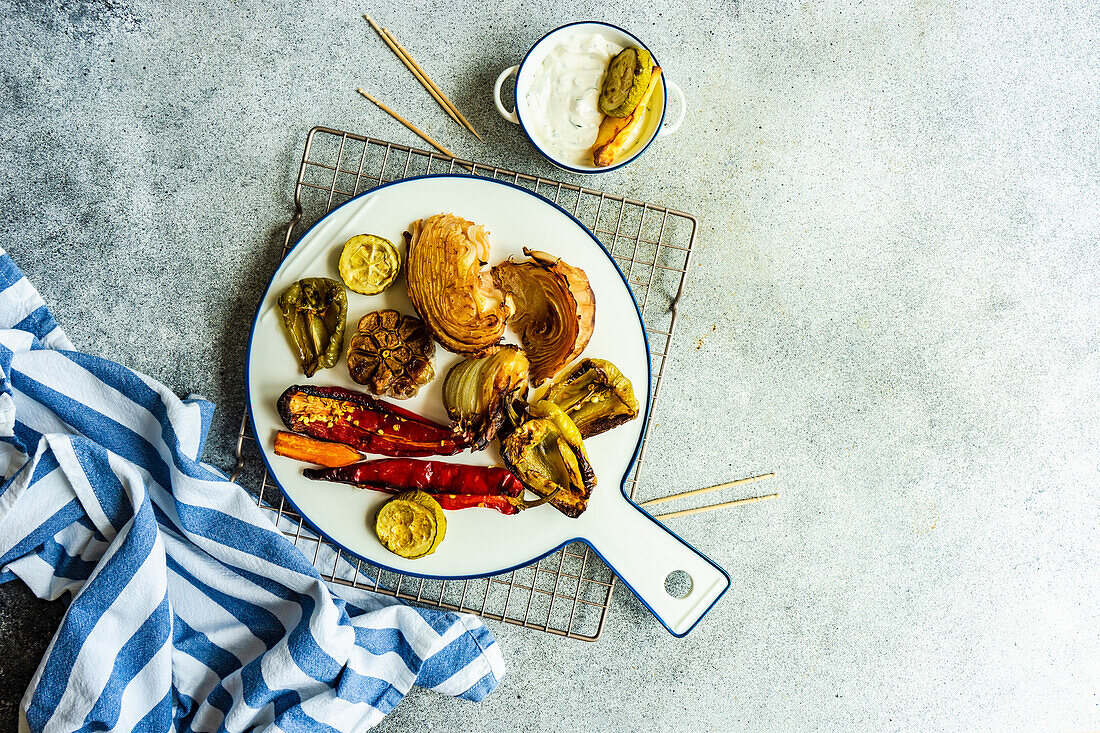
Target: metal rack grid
(567,593)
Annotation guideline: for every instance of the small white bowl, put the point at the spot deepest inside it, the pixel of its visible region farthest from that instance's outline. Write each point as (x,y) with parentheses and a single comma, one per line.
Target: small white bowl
(525,71)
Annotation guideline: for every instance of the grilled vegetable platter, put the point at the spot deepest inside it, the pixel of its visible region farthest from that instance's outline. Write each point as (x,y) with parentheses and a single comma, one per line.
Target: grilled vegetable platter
(472,410)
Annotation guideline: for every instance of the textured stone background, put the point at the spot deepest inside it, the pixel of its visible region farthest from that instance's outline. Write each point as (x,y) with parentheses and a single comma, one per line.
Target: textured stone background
(895,305)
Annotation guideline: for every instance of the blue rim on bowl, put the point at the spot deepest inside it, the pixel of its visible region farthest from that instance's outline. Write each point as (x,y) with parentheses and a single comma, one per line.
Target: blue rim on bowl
(552,159)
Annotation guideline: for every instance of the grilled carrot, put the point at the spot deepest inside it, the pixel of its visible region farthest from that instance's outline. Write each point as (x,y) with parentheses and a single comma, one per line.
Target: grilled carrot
(311,450)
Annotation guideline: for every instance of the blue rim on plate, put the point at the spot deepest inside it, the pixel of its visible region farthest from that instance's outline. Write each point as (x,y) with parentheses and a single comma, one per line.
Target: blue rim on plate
(590,171)
(630,465)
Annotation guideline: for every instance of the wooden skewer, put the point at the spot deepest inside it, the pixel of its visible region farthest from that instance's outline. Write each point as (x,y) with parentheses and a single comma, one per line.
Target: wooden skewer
(696,510)
(409,125)
(696,492)
(438,92)
(390,41)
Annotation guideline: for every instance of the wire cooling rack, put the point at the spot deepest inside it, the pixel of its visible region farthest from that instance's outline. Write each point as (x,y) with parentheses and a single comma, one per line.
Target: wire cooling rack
(567,593)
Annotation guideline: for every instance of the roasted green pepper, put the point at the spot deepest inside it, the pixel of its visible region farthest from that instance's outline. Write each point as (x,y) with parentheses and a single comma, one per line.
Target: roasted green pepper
(315,312)
(547,454)
(595,395)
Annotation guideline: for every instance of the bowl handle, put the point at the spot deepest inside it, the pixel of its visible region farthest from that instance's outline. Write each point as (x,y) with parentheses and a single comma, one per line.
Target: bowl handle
(643,553)
(669,127)
(510,116)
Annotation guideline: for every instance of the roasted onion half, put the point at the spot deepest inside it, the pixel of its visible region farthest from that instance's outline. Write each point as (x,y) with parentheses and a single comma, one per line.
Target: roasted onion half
(480,394)
(450,286)
(555,309)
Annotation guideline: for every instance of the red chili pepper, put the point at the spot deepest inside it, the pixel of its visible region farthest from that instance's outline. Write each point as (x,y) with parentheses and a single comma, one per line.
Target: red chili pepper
(465,501)
(394,475)
(364,422)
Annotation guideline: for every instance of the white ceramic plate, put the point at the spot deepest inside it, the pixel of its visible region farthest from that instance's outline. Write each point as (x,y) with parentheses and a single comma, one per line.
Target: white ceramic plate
(479,542)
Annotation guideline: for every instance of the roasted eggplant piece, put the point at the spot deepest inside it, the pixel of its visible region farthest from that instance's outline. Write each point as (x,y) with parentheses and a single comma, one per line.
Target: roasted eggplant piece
(315,312)
(555,309)
(595,395)
(364,422)
(480,394)
(450,286)
(547,454)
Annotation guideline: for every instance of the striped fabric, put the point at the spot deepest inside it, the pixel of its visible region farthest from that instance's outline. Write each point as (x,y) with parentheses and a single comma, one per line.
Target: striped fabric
(189,609)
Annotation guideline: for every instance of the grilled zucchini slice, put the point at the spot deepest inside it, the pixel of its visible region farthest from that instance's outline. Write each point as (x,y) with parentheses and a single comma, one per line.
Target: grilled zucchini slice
(625,82)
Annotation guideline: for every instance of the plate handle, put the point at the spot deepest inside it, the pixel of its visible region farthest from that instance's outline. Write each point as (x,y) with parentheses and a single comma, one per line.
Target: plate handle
(644,553)
(510,116)
(670,127)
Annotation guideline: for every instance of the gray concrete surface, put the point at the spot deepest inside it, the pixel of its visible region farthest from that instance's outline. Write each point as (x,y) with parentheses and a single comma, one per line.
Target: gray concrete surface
(895,305)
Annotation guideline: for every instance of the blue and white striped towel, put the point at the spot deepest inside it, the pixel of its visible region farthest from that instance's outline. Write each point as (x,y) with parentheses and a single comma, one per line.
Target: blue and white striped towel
(189,609)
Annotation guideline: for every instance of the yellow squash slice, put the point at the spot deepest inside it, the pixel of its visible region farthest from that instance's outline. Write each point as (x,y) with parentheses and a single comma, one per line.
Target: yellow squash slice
(369,264)
(411,524)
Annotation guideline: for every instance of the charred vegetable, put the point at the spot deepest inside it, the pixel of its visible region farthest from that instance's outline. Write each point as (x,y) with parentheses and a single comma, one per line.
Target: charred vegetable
(369,264)
(449,286)
(364,422)
(625,82)
(547,454)
(479,393)
(453,485)
(321,452)
(391,353)
(595,395)
(503,504)
(314,313)
(394,475)
(618,134)
(555,309)
(411,525)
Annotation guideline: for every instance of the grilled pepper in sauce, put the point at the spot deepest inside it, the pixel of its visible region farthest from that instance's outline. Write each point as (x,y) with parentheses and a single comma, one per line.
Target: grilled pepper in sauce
(364,422)
(315,312)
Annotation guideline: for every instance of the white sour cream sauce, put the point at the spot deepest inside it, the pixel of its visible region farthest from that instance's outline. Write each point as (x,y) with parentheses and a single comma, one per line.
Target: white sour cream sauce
(561,109)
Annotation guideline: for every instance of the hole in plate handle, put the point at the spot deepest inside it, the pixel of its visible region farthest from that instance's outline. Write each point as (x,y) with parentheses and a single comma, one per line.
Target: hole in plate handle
(678,584)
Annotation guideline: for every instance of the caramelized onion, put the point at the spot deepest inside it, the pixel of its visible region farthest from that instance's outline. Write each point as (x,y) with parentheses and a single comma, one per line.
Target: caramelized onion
(450,287)
(555,309)
(480,393)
